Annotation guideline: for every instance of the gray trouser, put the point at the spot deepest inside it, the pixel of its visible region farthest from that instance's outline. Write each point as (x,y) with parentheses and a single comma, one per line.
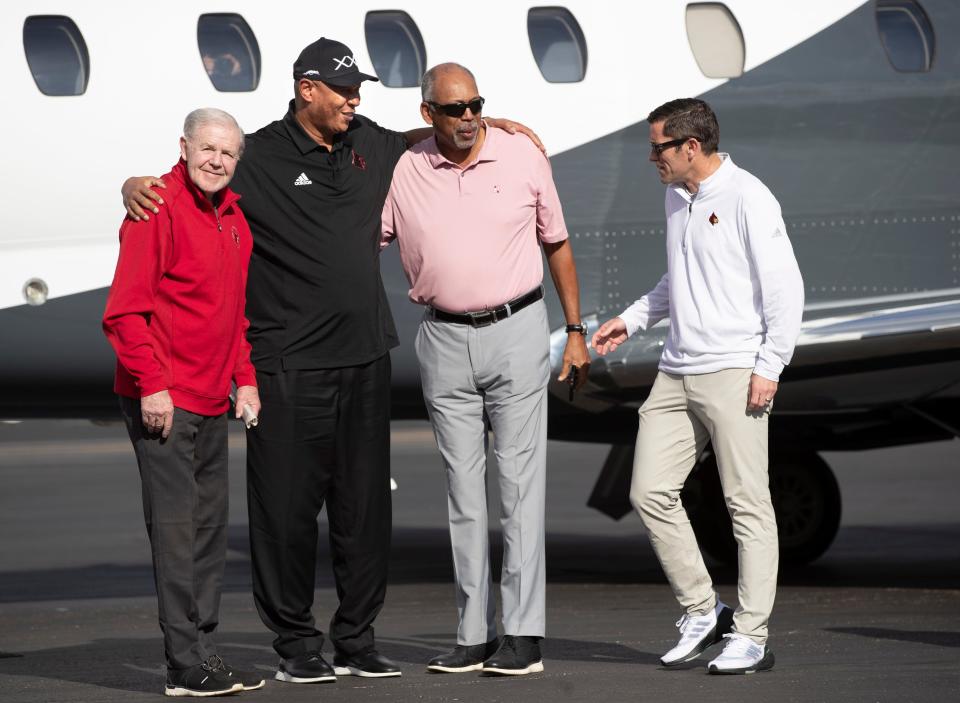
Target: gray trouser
(184,484)
(501,372)
(681,414)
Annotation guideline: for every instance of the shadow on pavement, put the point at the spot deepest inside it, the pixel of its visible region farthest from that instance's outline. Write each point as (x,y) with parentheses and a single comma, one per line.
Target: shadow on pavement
(121,664)
(935,637)
(420,648)
(135,665)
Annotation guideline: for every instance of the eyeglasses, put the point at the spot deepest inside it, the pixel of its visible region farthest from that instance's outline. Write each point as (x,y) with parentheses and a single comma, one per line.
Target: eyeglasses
(658,149)
(457,109)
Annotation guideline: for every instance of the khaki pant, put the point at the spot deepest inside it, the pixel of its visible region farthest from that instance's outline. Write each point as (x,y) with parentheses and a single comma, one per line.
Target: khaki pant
(680,416)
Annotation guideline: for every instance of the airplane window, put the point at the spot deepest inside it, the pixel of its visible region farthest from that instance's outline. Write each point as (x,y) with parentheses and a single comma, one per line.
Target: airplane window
(396,48)
(57,54)
(715,39)
(558,44)
(229,51)
(906,34)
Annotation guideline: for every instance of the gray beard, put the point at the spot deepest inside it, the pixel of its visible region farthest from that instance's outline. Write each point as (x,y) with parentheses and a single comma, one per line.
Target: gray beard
(462,143)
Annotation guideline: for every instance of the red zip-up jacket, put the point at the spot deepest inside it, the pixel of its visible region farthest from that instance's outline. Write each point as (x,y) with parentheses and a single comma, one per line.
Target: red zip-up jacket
(175,313)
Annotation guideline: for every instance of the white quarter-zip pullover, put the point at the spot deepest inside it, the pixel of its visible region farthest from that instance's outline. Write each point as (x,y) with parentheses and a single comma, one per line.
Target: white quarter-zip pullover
(732,290)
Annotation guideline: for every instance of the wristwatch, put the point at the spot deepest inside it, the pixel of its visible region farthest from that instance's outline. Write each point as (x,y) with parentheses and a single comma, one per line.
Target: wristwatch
(579,327)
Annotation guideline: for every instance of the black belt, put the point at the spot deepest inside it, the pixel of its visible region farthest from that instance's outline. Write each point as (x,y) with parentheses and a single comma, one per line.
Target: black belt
(488,317)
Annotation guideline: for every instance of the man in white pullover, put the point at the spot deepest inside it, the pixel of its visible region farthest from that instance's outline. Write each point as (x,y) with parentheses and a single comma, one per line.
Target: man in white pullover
(734,297)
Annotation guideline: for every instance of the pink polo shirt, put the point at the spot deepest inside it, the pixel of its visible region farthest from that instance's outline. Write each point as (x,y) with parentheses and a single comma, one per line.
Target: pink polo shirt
(470,239)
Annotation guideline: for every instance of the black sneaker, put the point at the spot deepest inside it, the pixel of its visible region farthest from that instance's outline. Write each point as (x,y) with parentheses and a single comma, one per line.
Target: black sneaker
(371,665)
(305,668)
(199,681)
(516,656)
(463,658)
(248,680)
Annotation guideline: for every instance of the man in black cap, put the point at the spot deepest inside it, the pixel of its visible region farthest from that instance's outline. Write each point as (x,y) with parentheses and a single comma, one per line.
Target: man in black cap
(313,186)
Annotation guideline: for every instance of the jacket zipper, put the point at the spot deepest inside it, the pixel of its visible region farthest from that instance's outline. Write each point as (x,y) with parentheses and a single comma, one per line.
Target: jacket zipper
(686,225)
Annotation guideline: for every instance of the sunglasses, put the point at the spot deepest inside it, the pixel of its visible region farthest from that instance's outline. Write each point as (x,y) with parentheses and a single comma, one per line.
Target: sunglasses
(457,109)
(658,149)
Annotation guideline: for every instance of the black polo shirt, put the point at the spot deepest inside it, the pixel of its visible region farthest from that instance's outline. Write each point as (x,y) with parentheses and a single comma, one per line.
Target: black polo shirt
(315,298)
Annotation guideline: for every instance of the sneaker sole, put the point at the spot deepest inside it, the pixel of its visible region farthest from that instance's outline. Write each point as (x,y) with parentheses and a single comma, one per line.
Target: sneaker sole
(706,643)
(180,692)
(454,669)
(244,687)
(764,664)
(534,668)
(290,678)
(354,671)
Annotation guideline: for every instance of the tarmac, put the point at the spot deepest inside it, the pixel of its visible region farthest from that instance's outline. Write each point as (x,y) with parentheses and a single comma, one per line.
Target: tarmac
(875,619)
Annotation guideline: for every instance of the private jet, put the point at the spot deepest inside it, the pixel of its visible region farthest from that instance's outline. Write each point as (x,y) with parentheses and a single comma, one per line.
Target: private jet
(848,110)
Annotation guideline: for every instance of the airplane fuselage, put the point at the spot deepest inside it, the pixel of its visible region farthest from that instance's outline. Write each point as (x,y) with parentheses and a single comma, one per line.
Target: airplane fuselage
(862,158)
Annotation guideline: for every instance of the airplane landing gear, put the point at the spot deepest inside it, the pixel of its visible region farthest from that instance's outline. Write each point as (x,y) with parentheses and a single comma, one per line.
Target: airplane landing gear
(805,496)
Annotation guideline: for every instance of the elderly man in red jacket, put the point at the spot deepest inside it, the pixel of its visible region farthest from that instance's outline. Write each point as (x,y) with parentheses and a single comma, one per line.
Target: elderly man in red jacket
(175,317)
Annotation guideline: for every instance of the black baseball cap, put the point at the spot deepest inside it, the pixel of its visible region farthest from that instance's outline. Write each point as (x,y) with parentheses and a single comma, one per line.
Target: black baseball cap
(331,62)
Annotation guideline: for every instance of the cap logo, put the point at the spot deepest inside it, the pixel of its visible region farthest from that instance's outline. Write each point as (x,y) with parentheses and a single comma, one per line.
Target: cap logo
(345,62)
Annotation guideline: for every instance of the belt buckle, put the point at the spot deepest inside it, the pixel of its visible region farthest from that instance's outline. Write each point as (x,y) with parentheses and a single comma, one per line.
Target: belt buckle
(482,319)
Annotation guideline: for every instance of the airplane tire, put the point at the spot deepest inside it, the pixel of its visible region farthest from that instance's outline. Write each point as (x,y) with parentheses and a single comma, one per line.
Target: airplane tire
(805,496)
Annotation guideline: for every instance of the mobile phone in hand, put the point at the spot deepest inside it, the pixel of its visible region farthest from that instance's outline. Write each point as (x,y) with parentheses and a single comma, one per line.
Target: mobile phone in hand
(572,380)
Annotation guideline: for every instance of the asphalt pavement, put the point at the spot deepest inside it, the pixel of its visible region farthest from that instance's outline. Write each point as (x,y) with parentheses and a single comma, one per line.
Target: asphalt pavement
(875,619)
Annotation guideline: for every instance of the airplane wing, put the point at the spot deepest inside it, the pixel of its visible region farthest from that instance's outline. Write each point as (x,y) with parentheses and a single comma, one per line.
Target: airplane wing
(850,354)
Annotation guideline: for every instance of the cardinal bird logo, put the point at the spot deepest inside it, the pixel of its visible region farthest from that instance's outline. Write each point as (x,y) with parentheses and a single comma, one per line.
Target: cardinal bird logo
(236,235)
(359,161)
(713,218)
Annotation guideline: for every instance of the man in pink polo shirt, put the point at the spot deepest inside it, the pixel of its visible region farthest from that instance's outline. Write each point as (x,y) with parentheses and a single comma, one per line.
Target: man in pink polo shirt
(470,209)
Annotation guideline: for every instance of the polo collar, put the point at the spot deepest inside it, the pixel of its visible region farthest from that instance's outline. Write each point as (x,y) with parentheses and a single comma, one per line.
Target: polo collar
(305,143)
(488,152)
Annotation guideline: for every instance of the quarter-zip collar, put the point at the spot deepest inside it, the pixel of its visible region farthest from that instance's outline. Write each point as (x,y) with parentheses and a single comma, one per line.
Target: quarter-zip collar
(712,184)
(224,198)
(709,184)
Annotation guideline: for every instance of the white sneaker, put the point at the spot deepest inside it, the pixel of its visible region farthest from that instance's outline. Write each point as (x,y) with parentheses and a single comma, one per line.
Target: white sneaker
(741,655)
(697,633)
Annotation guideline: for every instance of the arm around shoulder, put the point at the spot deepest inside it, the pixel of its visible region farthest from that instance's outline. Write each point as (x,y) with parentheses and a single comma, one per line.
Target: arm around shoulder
(138,196)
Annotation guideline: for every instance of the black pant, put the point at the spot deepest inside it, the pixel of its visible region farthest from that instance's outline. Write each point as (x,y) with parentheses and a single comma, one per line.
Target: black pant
(324,435)
(184,482)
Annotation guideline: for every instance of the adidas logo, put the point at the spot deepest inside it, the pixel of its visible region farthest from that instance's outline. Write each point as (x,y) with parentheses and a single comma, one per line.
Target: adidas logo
(302,180)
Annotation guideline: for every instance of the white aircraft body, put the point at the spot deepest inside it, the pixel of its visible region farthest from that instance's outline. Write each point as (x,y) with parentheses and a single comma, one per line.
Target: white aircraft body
(848,110)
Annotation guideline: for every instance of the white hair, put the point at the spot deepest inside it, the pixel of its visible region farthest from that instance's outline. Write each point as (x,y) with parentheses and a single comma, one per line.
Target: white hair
(209,115)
